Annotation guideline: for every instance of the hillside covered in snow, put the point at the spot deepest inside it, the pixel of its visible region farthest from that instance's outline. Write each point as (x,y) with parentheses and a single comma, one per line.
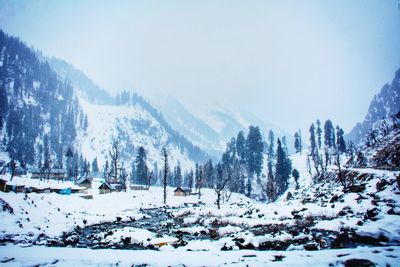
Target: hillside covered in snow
(47,106)
(384,104)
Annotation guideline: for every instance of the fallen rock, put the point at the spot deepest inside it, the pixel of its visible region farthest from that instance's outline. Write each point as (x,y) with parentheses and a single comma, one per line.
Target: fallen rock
(357,188)
(371,214)
(381,185)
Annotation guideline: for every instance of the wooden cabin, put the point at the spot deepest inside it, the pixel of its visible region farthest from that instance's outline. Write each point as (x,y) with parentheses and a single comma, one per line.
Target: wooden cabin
(38,190)
(54,174)
(84,182)
(181,192)
(138,187)
(118,187)
(15,188)
(106,188)
(79,190)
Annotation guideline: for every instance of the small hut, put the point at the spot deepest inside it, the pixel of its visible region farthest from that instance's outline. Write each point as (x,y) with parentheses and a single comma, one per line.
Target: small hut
(55,174)
(84,182)
(138,187)
(106,188)
(118,187)
(15,188)
(181,192)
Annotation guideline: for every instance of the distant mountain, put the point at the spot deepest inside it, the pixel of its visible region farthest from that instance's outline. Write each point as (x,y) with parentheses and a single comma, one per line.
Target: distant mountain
(212,128)
(384,104)
(83,85)
(198,132)
(48,106)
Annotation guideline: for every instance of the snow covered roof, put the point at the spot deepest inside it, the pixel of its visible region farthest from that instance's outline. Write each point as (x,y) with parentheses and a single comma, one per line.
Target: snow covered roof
(83,180)
(36,170)
(182,189)
(106,186)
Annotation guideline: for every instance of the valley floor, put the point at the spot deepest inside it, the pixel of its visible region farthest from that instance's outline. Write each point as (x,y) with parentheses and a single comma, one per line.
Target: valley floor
(319,225)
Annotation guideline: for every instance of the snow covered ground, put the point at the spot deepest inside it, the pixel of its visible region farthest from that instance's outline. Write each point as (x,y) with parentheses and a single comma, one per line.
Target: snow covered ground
(44,256)
(136,227)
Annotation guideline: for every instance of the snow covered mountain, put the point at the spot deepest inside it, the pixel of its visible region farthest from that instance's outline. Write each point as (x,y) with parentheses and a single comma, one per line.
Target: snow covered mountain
(384,104)
(49,106)
(212,126)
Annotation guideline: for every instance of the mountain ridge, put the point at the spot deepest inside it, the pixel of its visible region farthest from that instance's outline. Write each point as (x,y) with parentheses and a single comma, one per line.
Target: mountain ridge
(384,104)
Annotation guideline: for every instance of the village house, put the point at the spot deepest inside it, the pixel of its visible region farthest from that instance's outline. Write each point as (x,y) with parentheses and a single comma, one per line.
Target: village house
(138,187)
(106,188)
(84,182)
(181,192)
(36,189)
(54,174)
(118,187)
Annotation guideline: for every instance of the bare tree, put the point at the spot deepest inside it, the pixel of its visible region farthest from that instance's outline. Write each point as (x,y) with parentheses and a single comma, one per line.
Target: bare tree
(337,163)
(123,177)
(115,159)
(166,169)
(223,177)
(149,180)
(201,180)
(48,169)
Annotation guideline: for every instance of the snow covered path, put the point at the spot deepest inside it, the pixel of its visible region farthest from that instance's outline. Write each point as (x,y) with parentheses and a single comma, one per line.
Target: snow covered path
(38,255)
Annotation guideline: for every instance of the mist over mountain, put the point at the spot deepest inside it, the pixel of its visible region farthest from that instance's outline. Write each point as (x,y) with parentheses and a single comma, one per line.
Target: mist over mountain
(215,125)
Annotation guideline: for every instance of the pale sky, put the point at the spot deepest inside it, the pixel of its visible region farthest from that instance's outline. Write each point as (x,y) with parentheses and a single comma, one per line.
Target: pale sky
(288,62)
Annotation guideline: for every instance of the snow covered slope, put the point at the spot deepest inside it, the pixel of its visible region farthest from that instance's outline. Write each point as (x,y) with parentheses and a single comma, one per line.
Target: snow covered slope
(384,104)
(133,126)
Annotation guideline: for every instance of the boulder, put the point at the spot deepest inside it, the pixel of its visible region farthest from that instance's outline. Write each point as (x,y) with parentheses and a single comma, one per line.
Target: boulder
(381,185)
(359,263)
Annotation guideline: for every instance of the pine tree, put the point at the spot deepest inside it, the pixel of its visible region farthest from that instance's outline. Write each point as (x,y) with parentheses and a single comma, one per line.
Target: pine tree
(283,168)
(284,145)
(340,143)
(95,166)
(319,134)
(254,148)
(313,146)
(190,180)
(329,134)
(241,146)
(141,166)
(271,148)
(209,173)
(178,175)
(271,187)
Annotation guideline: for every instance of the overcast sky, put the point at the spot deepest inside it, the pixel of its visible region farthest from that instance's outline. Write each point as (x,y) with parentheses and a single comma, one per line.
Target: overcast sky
(289,62)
